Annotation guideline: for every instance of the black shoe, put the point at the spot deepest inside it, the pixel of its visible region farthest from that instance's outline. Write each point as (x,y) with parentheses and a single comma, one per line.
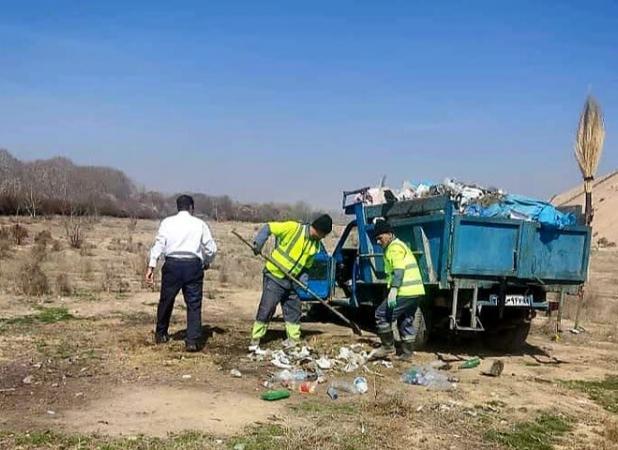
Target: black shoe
(162,338)
(192,348)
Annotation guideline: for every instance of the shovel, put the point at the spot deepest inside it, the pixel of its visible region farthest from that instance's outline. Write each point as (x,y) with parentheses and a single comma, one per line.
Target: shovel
(355,328)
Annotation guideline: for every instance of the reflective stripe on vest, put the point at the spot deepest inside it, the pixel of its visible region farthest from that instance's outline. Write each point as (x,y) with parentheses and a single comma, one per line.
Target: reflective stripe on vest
(293,256)
(412,283)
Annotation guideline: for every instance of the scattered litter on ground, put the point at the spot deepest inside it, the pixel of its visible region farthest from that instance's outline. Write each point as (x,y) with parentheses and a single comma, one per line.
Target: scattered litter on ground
(307,387)
(383,363)
(361,385)
(344,386)
(427,376)
(51,413)
(324,363)
(27,380)
(470,363)
(240,446)
(278,394)
(235,373)
(332,393)
(495,370)
(186,377)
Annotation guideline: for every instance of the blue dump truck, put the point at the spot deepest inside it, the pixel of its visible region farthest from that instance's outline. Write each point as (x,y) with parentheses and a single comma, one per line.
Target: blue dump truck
(482,275)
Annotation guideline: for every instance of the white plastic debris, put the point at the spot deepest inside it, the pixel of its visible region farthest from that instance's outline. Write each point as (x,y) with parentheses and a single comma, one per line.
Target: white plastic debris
(27,380)
(235,373)
(280,360)
(186,377)
(324,363)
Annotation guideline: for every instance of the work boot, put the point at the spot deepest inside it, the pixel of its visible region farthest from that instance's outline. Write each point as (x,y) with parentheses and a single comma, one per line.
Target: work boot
(407,350)
(254,345)
(387,347)
(162,338)
(192,348)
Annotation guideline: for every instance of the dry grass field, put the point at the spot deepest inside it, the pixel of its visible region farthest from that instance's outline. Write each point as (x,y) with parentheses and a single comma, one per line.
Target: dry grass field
(79,370)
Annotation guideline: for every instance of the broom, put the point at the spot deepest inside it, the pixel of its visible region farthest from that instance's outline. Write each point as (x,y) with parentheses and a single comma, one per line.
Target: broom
(588,149)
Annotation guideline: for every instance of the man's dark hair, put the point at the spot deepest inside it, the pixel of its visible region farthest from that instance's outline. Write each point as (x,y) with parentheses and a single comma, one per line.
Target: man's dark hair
(184,203)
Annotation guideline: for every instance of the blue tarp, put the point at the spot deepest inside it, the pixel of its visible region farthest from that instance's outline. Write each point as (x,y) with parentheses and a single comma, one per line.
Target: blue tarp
(520,207)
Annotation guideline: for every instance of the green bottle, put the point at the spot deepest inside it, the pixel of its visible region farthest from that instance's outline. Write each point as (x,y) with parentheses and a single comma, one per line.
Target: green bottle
(275,395)
(470,363)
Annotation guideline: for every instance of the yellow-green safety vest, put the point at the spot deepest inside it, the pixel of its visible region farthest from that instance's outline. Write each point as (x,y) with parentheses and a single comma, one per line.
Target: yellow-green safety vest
(399,256)
(294,250)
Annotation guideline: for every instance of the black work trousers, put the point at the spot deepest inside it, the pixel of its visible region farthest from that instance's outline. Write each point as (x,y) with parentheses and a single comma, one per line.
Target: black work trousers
(186,275)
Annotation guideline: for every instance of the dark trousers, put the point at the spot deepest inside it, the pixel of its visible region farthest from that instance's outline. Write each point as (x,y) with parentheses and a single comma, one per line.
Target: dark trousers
(403,313)
(273,293)
(188,275)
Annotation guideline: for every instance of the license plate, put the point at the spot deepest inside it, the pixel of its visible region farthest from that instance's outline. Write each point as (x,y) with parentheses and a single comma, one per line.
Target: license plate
(513,300)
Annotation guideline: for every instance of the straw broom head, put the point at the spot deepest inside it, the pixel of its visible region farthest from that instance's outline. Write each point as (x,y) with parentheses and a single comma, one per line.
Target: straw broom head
(589,141)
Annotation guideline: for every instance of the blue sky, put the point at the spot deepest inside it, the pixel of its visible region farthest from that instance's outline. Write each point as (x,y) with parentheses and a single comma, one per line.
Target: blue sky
(290,101)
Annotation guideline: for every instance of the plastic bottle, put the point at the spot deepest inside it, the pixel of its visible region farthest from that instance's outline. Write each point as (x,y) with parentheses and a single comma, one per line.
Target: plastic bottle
(275,395)
(470,363)
(344,386)
(332,393)
(306,387)
(292,375)
(361,385)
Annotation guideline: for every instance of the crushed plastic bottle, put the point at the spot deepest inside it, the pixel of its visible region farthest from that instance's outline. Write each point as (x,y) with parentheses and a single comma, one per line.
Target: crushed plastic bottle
(470,363)
(427,376)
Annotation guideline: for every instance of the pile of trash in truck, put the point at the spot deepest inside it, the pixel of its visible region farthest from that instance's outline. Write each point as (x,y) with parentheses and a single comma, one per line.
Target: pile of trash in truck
(475,200)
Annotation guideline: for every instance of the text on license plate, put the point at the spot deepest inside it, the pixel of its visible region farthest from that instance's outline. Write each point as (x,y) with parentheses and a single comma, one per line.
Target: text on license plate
(513,300)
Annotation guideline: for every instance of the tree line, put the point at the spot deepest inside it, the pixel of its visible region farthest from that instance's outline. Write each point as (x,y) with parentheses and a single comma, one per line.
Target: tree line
(58,186)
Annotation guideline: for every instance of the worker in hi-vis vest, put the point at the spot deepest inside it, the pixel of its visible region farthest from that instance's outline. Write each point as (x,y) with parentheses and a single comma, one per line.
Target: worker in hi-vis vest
(295,248)
(405,290)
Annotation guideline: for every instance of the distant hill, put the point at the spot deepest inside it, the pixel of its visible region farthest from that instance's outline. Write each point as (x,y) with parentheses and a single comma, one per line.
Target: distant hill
(58,186)
(605,203)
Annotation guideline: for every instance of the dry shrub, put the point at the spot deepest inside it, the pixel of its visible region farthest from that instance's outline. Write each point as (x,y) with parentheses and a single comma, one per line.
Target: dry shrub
(43,237)
(113,281)
(16,233)
(63,285)
(56,245)
(73,231)
(20,233)
(39,251)
(125,245)
(610,430)
(5,248)
(31,280)
(132,225)
(605,243)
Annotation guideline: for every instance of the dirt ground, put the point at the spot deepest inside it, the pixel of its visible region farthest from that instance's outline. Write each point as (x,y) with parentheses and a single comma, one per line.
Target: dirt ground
(79,369)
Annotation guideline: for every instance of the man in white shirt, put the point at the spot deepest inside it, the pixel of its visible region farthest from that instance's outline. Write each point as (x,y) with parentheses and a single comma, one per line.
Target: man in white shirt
(189,249)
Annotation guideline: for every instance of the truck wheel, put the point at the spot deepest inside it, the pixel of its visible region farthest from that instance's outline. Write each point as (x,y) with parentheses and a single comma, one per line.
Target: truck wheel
(508,339)
(421,321)
(317,313)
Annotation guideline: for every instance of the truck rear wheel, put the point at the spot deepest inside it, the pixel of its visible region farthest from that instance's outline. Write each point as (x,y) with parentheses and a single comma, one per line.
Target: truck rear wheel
(508,339)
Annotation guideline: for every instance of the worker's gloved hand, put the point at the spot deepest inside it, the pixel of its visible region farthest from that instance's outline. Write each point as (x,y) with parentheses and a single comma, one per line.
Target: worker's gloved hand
(304,278)
(392,298)
(256,249)
(206,266)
